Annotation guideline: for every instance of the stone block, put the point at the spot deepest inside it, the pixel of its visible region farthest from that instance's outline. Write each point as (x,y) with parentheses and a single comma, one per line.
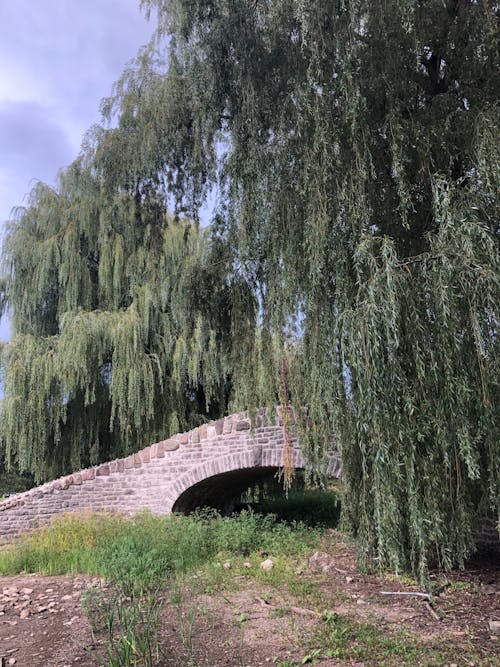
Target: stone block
(170,445)
(183,438)
(195,436)
(243,425)
(203,432)
(129,462)
(256,456)
(102,470)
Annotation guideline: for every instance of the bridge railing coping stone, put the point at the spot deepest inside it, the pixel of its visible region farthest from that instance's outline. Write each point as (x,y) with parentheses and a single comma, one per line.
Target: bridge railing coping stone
(235,423)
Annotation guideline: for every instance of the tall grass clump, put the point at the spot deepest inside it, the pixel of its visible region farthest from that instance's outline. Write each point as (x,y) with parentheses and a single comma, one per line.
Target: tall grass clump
(138,552)
(130,625)
(66,545)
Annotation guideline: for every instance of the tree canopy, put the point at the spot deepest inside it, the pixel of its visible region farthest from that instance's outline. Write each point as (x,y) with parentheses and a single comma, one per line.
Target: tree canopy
(353,154)
(117,325)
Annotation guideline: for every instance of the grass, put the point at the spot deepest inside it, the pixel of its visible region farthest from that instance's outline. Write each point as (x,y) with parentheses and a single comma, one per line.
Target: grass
(130,625)
(137,553)
(347,639)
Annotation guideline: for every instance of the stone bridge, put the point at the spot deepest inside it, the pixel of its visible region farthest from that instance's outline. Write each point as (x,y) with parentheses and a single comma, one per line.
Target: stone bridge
(208,466)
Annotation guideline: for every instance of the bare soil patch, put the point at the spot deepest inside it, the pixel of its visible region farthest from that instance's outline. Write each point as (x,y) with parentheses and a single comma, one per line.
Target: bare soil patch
(41,621)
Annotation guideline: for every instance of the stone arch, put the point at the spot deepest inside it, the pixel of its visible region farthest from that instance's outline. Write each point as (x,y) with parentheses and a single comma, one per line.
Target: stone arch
(218,481)
(252,463)
(222,491)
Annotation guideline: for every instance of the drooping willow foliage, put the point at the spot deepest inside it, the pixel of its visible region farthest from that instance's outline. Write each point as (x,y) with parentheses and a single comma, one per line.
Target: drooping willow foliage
(120,318)
(353,152)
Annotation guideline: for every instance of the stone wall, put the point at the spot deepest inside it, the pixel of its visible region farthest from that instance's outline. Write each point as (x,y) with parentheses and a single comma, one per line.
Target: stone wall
(157,476)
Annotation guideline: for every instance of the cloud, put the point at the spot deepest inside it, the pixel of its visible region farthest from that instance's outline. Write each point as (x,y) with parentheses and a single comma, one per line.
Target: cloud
(31,141)
(32,147)
(59,59)
(61,50)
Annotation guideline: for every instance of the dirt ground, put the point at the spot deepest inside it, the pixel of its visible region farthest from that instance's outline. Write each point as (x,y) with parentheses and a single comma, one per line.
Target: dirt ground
(251,623)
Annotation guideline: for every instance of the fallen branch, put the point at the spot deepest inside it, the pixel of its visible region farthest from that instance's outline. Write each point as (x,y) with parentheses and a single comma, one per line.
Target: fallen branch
(416,593)
(304,612)
(431,611)
(296,610)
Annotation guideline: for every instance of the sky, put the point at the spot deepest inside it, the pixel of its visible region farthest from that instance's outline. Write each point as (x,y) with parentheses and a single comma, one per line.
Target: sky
(58,59)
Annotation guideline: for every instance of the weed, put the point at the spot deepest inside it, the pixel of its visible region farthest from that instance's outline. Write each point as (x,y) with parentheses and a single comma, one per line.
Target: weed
(240,622)
(95,606)
(303,589)
(312,658)
(453,586)
(402,578)
(346,639)
(281,612)
(137,555)
(129,624)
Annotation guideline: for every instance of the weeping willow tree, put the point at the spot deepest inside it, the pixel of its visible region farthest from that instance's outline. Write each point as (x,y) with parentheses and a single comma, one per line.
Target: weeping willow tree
(352,149)
(120,318)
